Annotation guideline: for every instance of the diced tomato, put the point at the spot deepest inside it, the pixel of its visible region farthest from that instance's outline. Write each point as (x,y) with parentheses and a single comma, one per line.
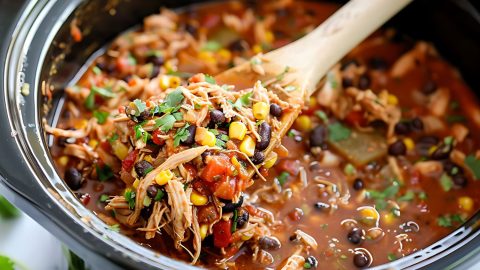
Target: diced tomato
(192,171)
(356,118)
(156,139)
(211,20)
(201,187)
(121,109)
(216,167)
(122,64)
(222,235)
(291,166)
(207,214)
(105,145)
(225,189)
(128,162)
(75,32)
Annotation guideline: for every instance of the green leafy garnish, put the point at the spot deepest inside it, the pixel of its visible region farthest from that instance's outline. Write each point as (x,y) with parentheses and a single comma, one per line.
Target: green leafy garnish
(114,227)
(159,196)
(234,221)
(449,220)
(338,132)
(97,70)
(242,101)
(171,103)
(349,169)
(147,201)
(141,106)
(448,140)
(7,210)
(90,101)
(130,198)
(104,173)
(104,198)
(422,196)
(380,197)
(209,79)
(181,135)
(165,123)
(307,265)
(391,257)
(131,60)
(101,116)
(408,196)
(103,92)
(141,133)
(322,115)
(446,182)
(283,177)
(474,165)
(113,138)
(211,46)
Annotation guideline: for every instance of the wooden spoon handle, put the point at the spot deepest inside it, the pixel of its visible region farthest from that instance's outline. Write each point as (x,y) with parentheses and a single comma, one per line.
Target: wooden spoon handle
(313,55)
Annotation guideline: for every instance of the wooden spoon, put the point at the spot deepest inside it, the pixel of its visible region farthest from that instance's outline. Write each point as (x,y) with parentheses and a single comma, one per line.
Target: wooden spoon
(308,59)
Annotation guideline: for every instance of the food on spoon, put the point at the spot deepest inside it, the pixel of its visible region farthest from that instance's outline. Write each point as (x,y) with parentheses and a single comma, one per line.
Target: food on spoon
(375,168)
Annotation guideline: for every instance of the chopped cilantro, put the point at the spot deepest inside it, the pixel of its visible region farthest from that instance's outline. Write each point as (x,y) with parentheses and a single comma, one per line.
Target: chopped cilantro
(283,177)
(97,70)
(338,132)
(322,115)
(181,135)
(349,169)
(113,138)
(380,197)
(114,227)
(7,210)
(307,265)
(130,198)
(474,165)
(422,196)
(104,198)
(90,101)
(211,46)
(449,220)
(391,257)
(165,123)
(6,263)
(141,106)
(446,182)
(141,133)
(448,140)
(104,173)
(147,201)
(242,101)
(103,92)
(408,196)
(160,195)
(131,60)
(101,116)
(209,79)
(174,98)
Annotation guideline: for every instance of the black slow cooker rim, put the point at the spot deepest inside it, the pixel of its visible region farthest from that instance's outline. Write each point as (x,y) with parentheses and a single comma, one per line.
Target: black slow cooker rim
(36,163)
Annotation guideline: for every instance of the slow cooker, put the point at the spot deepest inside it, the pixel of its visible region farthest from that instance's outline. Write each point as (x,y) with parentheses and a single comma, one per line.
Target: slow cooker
(36,52)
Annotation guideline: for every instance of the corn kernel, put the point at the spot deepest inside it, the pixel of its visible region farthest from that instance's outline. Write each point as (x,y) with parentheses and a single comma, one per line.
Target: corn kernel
(409,144)
(237,130)
(63,160)
(136,183)
(303,123)
(368,215)
(312,102)
(248,146)
(389,218)
(207,57)
(148,158)
(392,100)
(270,161)
(164,82)
(432,149)
(198,199)
(257,49)
(269,37)
(247,236)
(93,143)
(169,66)
(205,137)
(225,55)
(174,81)
(203,231)
(163,177)
(465,203)
(260,110)
(119,149)
(81,124)
(235,162)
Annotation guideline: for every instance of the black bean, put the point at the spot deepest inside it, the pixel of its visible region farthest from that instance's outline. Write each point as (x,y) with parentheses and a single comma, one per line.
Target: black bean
(451,168)
(205,155)
(397,148)
(265,132)
(143,116)
(73,178)
(258,157)
(217,116)
(321,206)
(416,124)
(275,110)
(364,82)
(238,46)
(312,261)
(155,71)
(377,63)
(355,236)
(460,180)
(402,128)
(347,82)
(429,87)
(231,206)
(152,191)
(191,135)
(242,218)
(361,260)
(146,212)
(318,136)
(358,184)
(442,152)
(349,62)
(269,243)
(156,60)
(143,167)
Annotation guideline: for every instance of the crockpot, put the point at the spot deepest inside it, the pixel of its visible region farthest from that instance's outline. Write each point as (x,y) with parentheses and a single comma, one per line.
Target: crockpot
(36,49)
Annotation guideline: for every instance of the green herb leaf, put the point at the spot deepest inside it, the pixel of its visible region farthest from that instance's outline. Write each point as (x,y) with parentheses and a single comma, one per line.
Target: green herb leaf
(448,140)
(131,60)
(307,265)
(130,198)
(103,92)
(209,79)
(234,221)
(422,196)
(174,98)
(141,106)
(178,116)
(104,198)
(96,70)
(7,210)
(283,177)
(474,165)
(181,135)
(349,169)
(113,138)
(101,116)
(408,196)
(322,115)
(90,101)
(165,123)
(104,173)
(338,132)
(391,257)
(159,196)
(147,201)
(114,227)
(75,262)
(243,101)
(444,221)
(211,46)
(141,133)
(446,182)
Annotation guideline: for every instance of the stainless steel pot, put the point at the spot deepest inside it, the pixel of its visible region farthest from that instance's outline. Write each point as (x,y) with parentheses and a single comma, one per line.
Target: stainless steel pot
(36,47)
